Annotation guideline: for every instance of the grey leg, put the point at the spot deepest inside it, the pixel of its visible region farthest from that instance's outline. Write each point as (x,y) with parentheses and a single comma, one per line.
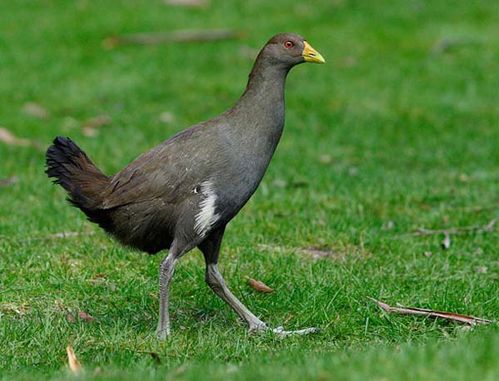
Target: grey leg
(217,284)
(211,249)
(165,275)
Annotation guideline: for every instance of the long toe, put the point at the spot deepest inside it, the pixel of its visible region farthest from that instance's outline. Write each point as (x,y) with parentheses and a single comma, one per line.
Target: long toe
(306,331)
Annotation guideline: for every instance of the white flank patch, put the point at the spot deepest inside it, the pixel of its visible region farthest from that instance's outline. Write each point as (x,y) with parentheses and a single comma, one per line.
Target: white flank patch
(206,216)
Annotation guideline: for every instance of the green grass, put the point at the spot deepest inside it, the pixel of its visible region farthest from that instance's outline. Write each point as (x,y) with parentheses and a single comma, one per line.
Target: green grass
(401,125)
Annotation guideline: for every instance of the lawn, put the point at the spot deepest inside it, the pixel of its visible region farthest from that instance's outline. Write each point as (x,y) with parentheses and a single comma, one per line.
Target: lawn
(398,131)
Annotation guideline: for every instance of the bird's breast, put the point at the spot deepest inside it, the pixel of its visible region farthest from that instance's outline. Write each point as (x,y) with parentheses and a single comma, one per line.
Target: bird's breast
(243,171)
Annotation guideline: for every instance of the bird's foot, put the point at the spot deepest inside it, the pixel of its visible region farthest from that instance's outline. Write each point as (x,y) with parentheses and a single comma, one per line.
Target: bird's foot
(258,327)
(162,334)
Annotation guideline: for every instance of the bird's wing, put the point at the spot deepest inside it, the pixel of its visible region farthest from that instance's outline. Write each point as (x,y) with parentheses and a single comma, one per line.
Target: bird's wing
(168,172)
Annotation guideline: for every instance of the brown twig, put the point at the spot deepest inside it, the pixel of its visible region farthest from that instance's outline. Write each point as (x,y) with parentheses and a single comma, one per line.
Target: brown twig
(488,228)
(465,319)
(187,35)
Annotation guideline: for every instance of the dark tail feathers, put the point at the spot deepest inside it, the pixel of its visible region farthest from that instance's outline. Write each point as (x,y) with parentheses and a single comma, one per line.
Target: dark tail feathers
(70,167)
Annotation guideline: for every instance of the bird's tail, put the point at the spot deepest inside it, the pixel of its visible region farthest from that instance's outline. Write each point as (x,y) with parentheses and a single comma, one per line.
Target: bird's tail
(70,167)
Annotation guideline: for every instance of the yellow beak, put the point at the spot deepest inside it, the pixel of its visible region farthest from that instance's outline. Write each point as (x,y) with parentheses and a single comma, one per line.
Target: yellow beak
(312,55)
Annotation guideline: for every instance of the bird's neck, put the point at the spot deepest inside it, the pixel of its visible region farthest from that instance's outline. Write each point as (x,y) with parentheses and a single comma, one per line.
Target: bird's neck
(256,121)
(261,106)
(265,88)
(254,125)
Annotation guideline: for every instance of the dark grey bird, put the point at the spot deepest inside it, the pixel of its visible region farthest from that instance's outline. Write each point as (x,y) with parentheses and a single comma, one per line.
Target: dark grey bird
(183,193)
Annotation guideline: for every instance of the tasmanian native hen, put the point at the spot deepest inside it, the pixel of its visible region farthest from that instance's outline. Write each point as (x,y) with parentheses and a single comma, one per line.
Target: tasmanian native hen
(182,193)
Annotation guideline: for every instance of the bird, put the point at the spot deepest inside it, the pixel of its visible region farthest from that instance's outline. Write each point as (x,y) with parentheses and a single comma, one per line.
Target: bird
(182,194)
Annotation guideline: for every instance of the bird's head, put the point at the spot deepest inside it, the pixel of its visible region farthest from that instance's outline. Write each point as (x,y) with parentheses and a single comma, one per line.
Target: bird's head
(290,49)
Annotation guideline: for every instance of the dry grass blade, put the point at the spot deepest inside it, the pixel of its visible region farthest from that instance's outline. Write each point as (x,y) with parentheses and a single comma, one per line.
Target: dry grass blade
(470,320)
(19,309)
(9,138)
(166,117)
(74,364)
(259,286)
(35,110)
(9,181)
(90,126)
(60,235)
(187,35)
(187,3)
(317,253)
(479,209)
(98,121)
(68,234)
(446,44)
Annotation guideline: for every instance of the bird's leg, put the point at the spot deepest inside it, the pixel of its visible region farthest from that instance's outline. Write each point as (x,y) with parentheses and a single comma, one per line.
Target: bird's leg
(217,284)
(211,249)
(165,275)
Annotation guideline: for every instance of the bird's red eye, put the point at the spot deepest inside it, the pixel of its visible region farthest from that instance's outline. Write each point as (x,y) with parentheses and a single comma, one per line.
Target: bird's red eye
(288,44)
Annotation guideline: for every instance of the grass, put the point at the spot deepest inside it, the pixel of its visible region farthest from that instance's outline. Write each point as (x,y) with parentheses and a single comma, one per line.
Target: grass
(397,131)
